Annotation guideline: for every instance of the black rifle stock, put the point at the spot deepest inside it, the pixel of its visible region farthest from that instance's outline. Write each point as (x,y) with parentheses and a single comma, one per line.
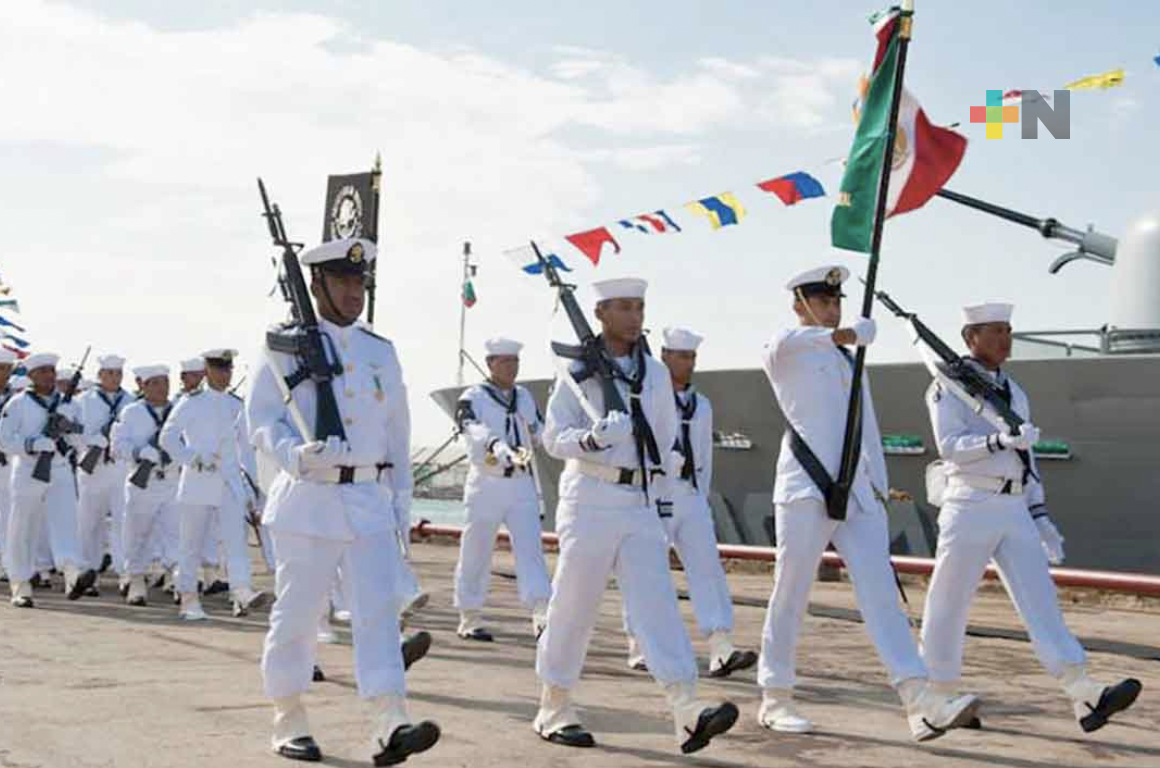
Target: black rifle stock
(88,464)
(309,344)
(54,427)
(590,350)
(140,476)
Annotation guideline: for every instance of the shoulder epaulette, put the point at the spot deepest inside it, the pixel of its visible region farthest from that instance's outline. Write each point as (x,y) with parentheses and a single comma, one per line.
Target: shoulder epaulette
(372,334)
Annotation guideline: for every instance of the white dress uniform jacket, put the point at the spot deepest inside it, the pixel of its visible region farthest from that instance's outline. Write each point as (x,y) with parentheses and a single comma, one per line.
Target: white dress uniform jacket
(372,400)
(811,377)
(968,443)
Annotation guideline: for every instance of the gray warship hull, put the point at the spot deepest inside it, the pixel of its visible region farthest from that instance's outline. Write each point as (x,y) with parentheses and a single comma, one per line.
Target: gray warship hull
(1103,492)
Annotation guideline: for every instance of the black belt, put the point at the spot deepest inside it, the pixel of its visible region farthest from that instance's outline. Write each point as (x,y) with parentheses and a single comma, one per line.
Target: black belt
(346,474)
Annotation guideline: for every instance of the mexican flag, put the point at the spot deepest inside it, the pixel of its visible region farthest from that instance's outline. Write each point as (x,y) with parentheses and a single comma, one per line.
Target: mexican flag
(468,294)
(924,155)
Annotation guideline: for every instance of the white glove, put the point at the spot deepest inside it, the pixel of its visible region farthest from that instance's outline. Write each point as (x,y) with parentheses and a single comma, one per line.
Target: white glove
(613,429)
(676,464)
(503,453)
(321,455)
(865,329)
(1052,540)
(149,453)
(43,445)
(1027,437)
(97,441)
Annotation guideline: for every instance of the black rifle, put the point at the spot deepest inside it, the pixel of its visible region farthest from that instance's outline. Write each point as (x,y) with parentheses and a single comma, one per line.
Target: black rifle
(302,338)
(58,426)
(140,476)
(591,350)
(89,463)
(956,367)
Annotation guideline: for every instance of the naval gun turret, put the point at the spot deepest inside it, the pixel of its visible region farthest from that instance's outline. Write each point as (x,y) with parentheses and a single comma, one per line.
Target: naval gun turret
(1134,325)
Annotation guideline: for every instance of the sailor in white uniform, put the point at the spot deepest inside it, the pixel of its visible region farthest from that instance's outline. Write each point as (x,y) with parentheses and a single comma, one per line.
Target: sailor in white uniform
(501,426)
(150,485)
(993,507)
(611,491)
(101,485)
(38,505)
(192,379)
(336,504)
(7,392)
(690,526)
(810,371)
(206,434)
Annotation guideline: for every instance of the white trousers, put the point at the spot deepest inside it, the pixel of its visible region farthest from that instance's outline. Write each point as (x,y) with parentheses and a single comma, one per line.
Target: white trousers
(594,543)
(146,513)
(38,513)
(863,541)
(197,526)
(512,503)
(693,536)
(305,573)
(101,494)
(5,509)
(970,534)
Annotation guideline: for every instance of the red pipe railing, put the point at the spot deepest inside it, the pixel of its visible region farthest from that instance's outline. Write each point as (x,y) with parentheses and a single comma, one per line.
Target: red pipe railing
(1111,581)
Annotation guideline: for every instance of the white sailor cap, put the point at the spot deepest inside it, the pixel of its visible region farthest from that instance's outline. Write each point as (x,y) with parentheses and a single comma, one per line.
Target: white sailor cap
(619,288)
(7,356)
(65,371)
(146,372)
(193,365)
(351,255)
(111,362)
(820,280)
(221,357)
(990,312)
(681,340)
(41,360)
(502,346)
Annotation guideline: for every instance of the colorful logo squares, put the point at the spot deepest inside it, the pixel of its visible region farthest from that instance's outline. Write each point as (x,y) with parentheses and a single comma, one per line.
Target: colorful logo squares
(994,114)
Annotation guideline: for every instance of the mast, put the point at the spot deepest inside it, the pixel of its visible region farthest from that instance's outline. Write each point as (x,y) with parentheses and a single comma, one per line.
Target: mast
(468,273)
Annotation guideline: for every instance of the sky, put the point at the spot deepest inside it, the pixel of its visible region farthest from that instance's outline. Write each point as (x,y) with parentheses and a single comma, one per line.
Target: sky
(134,131)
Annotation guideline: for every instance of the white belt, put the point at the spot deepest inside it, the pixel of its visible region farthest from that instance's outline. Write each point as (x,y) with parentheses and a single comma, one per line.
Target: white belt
(1003,485)
(614,475)
(345,475)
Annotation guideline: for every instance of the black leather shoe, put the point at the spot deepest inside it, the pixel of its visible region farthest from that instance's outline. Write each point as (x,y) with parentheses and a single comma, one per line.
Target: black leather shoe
(318,676)
(478,634)
(407,740)
(713,721)
(23,602)
(83,582)
(974,724)
(217,586)
(106,563)
(571,736)
(415,647)
(92,592)
(38,583)
(303,748)
(1115,698)
(124,589)
(737,660)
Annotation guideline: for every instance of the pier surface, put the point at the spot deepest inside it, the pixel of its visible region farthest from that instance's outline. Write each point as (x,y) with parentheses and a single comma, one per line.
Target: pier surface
(96,683)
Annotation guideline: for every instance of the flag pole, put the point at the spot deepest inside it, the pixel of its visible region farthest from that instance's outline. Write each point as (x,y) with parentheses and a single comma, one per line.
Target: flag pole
(467,275)
(376,186)
(840,496)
